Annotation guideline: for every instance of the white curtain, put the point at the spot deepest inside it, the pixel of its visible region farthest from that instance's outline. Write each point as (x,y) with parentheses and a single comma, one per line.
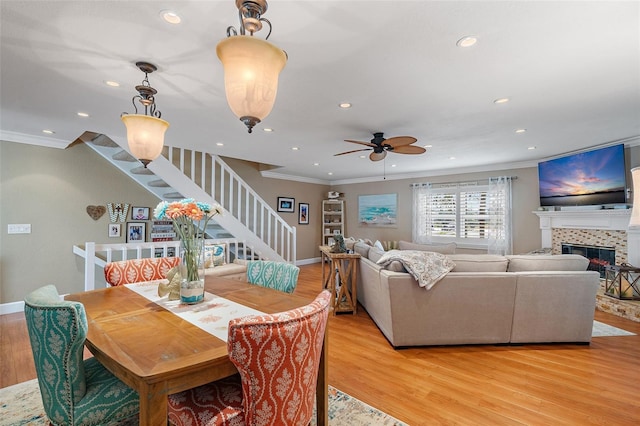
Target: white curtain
(421,232)
(499,211)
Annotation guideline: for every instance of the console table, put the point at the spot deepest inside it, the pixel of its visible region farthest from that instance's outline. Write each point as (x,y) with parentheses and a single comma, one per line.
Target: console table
(340,279)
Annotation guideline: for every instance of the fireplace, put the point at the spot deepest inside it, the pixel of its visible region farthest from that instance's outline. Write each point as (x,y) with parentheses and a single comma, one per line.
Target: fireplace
(599,256)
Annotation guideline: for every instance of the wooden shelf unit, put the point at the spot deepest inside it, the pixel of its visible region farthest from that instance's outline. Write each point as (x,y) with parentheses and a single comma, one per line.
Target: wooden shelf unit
(332,220)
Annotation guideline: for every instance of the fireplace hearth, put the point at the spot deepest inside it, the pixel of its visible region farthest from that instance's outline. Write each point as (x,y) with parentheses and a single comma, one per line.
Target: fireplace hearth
(599,257)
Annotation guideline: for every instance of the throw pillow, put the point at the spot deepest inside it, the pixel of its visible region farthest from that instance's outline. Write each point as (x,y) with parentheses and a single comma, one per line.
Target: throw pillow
(436,248)
(214,255)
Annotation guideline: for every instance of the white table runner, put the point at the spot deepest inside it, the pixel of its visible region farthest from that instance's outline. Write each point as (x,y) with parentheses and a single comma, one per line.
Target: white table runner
(212,315)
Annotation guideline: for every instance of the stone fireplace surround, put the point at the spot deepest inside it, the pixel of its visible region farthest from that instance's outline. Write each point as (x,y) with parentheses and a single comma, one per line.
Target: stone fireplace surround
(603,227)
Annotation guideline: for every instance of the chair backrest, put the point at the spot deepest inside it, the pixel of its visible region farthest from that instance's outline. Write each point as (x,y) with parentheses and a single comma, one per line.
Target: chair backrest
(57,331)
(278,357)
(137,270)
(277,275)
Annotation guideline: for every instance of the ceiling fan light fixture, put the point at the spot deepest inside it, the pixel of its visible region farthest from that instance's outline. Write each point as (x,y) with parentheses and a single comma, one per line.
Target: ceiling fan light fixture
(145,132)
(377,156)
(251,65)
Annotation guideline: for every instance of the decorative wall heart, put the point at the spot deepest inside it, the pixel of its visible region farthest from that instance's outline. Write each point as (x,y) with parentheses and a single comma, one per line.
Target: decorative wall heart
(96,212)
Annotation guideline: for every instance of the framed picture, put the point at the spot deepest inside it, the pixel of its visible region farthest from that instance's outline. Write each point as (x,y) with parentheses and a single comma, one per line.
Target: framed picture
(136,232)
(114,230)
(286,204)
(140,213)
(303,213)
(336,232)
(378,210)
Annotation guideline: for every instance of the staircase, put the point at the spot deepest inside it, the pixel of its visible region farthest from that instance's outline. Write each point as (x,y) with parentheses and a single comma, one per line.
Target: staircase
(181,173)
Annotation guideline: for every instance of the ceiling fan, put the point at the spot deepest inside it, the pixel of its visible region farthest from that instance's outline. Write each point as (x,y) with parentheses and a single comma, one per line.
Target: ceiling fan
(380,146)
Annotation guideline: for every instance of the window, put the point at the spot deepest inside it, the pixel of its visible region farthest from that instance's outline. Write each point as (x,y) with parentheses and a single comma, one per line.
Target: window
(470,214)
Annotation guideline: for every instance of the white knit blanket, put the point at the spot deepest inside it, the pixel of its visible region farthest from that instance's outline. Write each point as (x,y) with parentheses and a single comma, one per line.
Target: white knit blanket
(426,267)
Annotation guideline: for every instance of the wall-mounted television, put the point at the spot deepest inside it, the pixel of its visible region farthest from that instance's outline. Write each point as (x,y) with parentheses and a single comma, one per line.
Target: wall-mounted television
(596,177)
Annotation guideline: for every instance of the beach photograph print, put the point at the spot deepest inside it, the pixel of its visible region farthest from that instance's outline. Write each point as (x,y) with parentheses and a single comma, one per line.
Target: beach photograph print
(378,210)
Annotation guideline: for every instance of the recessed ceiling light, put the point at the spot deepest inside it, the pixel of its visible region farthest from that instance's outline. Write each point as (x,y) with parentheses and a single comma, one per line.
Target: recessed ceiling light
(219,144)
(452,158)
(393,165)
(531,148)
(467,41)
(316,164)
(47,131)
(521,130)
(112,83)
(427,146)
(330,173)
(83,114)
(501,101)
(267,129)
(363,156)
(170,16)
(294,148)
(345,105)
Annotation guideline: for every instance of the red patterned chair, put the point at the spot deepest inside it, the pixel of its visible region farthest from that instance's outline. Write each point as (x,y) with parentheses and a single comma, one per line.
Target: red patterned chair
(137,270)
(278,358)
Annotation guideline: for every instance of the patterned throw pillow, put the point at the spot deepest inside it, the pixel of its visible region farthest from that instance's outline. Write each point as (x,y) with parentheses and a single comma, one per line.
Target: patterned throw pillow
(214,255)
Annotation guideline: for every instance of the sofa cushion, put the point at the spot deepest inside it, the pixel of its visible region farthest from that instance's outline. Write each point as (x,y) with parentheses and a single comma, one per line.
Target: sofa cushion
(437,248)
(479,262)
(395,266)
(362,249)
(349,242)
(375,254)
(560,262)
(378,245)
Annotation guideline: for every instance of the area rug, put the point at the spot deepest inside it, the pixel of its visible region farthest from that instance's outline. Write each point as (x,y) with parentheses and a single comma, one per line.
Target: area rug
(21,405)
(603,330)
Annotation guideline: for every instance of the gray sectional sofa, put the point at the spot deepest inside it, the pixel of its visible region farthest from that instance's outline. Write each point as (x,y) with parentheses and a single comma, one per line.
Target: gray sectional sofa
(485,299)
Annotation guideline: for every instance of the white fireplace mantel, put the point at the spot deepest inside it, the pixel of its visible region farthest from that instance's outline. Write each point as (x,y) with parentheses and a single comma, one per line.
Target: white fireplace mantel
(603,219)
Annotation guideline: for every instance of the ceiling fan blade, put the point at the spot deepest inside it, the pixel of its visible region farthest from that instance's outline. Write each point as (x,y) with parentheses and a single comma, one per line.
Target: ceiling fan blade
(355,150)
(361,143)
(399,141)
(409,150)
(377,156)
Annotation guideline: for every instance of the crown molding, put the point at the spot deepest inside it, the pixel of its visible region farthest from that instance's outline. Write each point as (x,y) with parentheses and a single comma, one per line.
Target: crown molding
(45,141)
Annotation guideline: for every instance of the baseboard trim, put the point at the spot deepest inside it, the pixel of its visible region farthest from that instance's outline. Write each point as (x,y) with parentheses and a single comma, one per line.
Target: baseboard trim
(11,308)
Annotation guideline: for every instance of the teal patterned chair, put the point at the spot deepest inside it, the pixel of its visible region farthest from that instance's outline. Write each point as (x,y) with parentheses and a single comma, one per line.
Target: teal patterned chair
(277,275)
(74,392)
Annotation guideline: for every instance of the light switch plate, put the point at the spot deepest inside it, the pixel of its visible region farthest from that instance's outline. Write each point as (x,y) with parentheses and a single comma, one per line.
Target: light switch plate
(19,228)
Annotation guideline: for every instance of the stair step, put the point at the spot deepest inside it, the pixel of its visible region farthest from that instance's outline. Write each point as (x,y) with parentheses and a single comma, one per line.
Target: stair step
(103,140)
(173,196)
(141,171)
(158,184)
(124,156)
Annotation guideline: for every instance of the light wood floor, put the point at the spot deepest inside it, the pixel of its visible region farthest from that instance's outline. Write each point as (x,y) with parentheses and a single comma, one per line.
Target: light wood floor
(596,384)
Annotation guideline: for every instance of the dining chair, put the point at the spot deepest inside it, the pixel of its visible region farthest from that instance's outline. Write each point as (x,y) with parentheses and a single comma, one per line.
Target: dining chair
(277,275)
(277,357)
(138,270)
(74,391)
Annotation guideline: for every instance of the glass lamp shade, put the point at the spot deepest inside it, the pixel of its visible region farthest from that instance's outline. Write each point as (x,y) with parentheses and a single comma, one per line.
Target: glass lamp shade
(145,135)
(251,69)
(635,212)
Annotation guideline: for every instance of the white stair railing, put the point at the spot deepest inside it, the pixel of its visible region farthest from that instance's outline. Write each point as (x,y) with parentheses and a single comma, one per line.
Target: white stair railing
(97,255)
(247,216)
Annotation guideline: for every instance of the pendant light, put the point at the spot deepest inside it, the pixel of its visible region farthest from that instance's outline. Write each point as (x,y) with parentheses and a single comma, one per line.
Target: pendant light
(145,132)
(251,65)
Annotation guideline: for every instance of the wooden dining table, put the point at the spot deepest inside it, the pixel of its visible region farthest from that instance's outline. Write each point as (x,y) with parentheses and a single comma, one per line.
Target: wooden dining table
(157,353)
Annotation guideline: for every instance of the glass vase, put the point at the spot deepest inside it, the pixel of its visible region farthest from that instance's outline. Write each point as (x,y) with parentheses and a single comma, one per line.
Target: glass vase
(192,271)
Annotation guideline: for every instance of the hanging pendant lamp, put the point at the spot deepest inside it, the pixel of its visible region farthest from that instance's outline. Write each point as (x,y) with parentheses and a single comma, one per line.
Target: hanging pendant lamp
(145,132)
(251,65)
